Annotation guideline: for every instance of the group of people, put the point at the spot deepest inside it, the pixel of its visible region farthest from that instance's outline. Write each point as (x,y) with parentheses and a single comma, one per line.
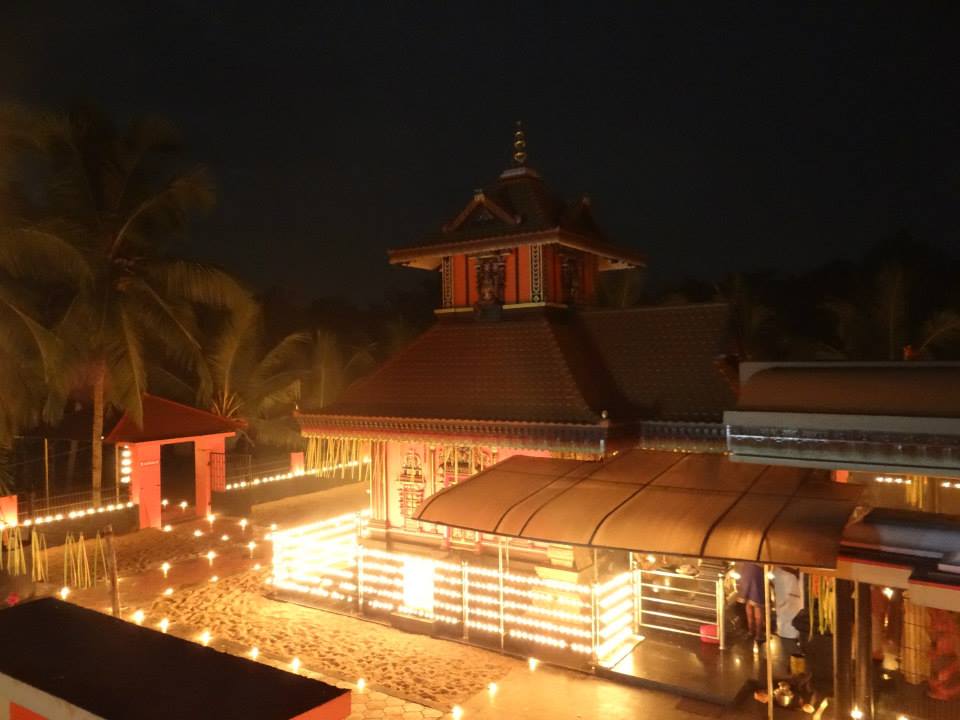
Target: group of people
(787,598)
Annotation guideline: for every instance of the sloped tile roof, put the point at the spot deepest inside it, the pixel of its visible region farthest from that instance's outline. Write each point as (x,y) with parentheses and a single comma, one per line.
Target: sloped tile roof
(554,368)
(527,198)
(166,420)
(515,369)
(663,360)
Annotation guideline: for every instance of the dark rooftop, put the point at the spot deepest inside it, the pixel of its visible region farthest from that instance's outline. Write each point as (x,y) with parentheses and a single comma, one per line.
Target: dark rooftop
(910,389)
(517,204)
(119,670)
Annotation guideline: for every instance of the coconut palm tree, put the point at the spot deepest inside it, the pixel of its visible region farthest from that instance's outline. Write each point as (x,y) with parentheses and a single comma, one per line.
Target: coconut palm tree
(94,212)
(261,386)
(876,324)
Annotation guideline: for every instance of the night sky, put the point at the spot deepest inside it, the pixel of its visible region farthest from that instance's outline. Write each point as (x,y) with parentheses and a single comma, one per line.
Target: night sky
(714,136)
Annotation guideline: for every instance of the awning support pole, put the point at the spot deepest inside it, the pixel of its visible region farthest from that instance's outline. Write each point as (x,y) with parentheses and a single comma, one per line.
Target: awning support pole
(721,614)
(767,570)
(844,612)
(500,575)
(864,661)
(595,611)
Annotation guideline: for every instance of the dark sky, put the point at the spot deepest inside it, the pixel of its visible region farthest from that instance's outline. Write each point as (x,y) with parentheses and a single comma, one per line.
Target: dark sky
(711,135)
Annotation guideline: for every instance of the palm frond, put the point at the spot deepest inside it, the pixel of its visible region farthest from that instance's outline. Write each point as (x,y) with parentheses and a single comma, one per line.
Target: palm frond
(32,253)
(168,209)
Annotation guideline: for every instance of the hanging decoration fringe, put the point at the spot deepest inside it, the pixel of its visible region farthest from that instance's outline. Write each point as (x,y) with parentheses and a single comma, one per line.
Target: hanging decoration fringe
(39,560)
(822,592)
(342,458)
(99,559)
(16,561)
(76,566)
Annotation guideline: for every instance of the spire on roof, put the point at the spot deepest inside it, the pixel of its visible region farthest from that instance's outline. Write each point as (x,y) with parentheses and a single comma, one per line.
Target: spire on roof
(519,146)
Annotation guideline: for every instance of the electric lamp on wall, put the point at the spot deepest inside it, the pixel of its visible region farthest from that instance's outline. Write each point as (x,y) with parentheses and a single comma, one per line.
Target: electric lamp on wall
(126,464)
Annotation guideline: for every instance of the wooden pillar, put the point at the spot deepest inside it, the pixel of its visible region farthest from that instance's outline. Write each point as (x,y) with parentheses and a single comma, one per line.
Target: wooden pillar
(864,635)
(843,648)
(768,636)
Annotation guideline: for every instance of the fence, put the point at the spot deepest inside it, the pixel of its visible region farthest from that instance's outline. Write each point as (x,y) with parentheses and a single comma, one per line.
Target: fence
(228,469)
(36,506)
(682,604)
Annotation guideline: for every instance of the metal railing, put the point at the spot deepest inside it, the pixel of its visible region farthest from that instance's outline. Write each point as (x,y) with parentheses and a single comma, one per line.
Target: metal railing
(33,505)
(681,604)
(229,468)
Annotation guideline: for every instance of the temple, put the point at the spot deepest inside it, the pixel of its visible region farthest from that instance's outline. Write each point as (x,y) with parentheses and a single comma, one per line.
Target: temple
(521,360)
(591,486)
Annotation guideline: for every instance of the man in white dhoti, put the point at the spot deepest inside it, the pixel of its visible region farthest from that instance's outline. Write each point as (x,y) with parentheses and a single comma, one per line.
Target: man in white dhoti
(788,593)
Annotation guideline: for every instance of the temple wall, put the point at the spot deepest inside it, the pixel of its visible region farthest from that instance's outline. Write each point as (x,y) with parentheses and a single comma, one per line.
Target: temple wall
(414,470)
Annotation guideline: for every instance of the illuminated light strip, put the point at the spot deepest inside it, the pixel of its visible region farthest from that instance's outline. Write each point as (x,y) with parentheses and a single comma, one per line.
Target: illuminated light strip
(323,535)
(619,581)
(615,642)
(73,514)
(294,474)
(558,614)
(616,626)
(377,605)
(893,480)
(310,527)
(533,622)
(532,594)
(616,597)
(539,639)
(530,580)
(611,615)
(485,627)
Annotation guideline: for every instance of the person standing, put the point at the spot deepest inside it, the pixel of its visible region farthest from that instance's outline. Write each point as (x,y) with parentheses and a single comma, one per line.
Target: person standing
(788,600)
(750,588)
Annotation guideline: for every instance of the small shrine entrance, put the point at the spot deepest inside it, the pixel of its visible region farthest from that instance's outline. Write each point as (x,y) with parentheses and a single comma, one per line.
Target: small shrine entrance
(166,423)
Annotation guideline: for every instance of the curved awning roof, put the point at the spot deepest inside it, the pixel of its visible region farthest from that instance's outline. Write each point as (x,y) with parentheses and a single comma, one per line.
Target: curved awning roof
(699,505)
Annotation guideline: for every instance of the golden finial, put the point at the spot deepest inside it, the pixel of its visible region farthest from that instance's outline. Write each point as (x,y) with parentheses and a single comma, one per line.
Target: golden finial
(519,145)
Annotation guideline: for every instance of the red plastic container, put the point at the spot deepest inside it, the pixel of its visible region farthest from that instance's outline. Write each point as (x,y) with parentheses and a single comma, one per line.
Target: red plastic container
(708,634)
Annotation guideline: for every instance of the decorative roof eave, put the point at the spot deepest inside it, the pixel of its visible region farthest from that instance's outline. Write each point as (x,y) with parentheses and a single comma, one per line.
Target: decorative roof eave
(428,257)
(561,437)
(481,200)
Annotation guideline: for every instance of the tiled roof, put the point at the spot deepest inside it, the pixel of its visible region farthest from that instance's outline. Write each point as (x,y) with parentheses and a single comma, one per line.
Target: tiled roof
(526,197)
(165,420)
(554,368)
(664,359)
(520,368)
(162,420)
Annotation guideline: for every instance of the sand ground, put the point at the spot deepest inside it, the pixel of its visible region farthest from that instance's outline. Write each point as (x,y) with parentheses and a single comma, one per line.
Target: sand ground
(239,615)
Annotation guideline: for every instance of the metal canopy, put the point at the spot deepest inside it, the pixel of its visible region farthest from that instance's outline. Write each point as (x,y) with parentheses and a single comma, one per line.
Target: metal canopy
(699,505)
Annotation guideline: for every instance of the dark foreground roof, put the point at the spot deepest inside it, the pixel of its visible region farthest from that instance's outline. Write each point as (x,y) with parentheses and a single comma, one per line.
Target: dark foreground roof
(910,389)
(118,670)
(657,502)
(583,368)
